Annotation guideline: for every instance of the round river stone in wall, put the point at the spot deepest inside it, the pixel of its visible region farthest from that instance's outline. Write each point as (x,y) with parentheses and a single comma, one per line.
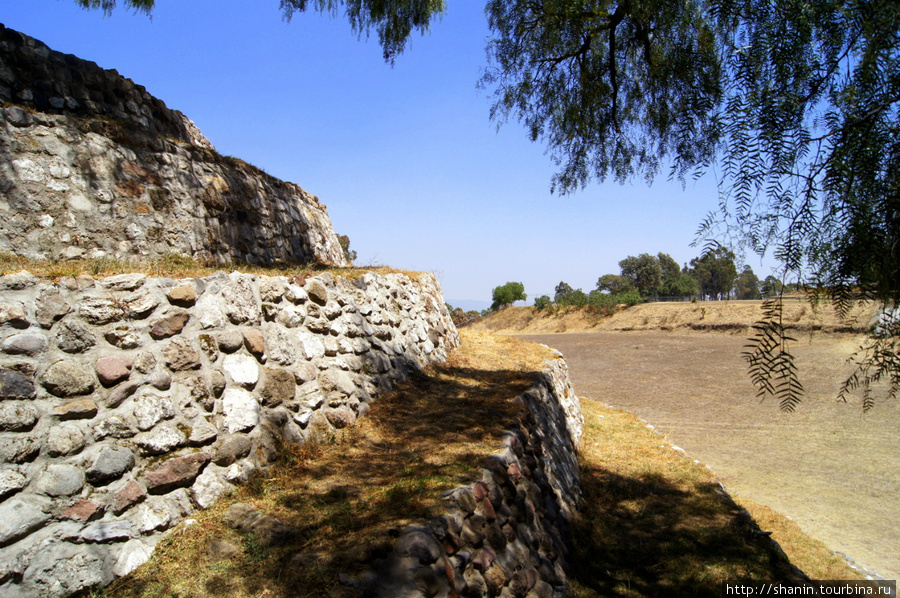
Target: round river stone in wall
(112,370)
(60,479)
(17,417)
(183,295)
(65,439)
(169,325)
(230,341)
(111,463)
(25,344)
(65,379)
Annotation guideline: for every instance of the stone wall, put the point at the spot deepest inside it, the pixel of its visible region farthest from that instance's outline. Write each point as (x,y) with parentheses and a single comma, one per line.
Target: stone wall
(50,82)
(127,402)
(93,166)
(508,534)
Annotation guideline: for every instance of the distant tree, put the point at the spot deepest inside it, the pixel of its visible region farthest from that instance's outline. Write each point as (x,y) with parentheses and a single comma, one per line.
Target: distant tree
(507,294)
(675,283)
(561,290)
(349,255)
(670,268)
(684,285)
(458,315)
(542,302)
(715,272)
(643,272)
(577,298)
(771,287)
(747,285)
(613,284)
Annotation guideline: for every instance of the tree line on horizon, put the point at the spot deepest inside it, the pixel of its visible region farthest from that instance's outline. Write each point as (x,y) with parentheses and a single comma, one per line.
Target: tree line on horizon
(713,276)
(710,277)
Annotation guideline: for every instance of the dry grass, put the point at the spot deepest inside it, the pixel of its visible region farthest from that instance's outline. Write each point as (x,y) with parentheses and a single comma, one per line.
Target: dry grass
(818,562)
(827,465)
(346,500)
(654,522)
(173,266)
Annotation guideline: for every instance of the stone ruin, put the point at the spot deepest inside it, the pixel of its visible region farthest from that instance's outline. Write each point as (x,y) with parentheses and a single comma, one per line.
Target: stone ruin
(91,165)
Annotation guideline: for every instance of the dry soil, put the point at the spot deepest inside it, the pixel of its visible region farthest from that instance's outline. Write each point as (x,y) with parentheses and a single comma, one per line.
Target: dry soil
(828,466)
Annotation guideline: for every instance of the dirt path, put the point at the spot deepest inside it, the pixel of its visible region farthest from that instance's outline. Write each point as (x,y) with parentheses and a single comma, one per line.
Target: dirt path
(829,467)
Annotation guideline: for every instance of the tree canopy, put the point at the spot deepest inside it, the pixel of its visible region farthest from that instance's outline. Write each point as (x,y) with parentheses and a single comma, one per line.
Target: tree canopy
(393,20)
(507,294)
(613,284)
(797,100)
(715,272)
(747,285)
(643,272)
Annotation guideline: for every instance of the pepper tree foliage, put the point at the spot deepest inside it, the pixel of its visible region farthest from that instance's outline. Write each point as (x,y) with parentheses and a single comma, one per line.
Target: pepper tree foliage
(107,6)
(393,20)
(796,99)
(811,140)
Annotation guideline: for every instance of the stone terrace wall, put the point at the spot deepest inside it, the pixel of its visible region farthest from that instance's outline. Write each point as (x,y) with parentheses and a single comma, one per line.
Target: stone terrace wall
(93,166)
(33,75)
(127,402)
(508,534)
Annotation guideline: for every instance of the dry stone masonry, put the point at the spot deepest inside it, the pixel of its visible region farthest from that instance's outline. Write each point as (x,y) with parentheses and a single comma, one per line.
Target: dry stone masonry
(91,165)
(508,534)
(127,402)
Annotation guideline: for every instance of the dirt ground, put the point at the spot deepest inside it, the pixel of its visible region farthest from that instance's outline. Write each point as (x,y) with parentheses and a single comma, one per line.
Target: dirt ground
(828,466)
(706,316)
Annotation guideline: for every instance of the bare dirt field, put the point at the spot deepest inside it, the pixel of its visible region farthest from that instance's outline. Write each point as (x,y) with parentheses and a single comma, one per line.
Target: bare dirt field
(828,466)
(704,316)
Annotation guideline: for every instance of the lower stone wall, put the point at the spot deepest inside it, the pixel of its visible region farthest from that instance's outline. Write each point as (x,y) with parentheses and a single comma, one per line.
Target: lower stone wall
(508,534)
(128,402)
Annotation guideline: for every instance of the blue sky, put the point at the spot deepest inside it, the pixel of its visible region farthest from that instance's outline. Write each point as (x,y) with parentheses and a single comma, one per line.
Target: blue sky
(405,157)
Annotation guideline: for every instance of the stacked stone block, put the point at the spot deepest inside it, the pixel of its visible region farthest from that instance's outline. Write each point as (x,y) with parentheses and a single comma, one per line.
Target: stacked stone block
(128,402)
(508,534)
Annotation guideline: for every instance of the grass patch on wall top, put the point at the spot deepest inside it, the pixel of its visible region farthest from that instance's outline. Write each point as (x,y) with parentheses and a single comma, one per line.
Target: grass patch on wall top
(174,266)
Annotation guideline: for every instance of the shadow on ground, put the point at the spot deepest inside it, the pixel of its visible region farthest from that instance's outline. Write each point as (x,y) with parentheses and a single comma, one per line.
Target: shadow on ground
(647,536)
(345,501)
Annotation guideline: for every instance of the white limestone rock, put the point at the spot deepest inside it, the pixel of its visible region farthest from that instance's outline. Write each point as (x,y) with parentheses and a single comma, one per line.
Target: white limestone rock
(241,410)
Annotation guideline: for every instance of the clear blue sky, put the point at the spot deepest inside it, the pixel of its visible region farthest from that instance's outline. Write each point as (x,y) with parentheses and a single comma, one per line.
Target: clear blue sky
(406,158)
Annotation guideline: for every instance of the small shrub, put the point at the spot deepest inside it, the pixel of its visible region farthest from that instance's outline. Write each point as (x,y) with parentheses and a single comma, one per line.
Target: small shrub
(542,303)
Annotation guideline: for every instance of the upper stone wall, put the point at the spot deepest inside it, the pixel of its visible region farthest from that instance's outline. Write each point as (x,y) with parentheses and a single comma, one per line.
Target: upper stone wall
(91,165)
(33,75)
